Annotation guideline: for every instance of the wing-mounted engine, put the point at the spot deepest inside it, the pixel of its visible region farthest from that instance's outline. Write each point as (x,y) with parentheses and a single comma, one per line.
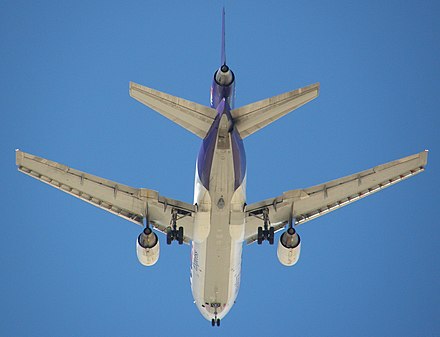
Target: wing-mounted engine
(147,247)
(289,247)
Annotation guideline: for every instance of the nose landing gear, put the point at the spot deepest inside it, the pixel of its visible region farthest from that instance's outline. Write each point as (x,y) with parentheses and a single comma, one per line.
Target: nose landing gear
(215,321)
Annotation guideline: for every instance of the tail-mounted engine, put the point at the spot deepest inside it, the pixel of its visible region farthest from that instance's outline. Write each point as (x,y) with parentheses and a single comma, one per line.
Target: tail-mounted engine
(147,247)
(289,247)
(223,86)
(224,76)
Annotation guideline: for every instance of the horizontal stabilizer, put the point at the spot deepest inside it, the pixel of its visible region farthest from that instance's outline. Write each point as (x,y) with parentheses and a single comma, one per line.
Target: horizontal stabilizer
(253,117)
(192,116)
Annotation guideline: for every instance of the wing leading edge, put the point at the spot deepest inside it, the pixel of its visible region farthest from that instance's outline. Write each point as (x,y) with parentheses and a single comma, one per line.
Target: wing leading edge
(132,204)
(307,204)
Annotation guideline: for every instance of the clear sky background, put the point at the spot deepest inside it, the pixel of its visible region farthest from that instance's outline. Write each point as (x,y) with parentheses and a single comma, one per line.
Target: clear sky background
(369,269)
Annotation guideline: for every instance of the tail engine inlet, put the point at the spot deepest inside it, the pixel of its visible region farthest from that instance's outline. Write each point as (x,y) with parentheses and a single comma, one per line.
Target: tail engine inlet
(224,76)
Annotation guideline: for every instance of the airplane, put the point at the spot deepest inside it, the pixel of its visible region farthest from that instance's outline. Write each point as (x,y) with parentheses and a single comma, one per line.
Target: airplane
(219,220)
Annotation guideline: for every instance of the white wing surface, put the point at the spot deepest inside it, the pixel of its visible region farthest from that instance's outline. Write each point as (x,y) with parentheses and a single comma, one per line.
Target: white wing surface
(307,204)
(192,116)
(253,117)
(132,204)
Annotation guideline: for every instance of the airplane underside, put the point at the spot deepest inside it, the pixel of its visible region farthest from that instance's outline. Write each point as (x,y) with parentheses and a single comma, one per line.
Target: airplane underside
(215,276)
(219,221)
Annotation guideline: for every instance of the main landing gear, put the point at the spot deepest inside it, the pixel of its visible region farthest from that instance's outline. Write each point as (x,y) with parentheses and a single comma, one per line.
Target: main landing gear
(174,233)
(267,232)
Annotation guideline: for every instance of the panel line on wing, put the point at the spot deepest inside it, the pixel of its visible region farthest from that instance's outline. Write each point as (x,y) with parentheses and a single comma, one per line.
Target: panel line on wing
(135,218)
(343,202)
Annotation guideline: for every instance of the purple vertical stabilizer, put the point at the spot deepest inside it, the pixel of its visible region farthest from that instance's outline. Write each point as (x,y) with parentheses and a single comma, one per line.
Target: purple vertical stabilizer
(223,84)
(223,58)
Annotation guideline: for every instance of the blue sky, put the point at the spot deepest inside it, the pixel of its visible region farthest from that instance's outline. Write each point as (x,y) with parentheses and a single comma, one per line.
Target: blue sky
(370,269)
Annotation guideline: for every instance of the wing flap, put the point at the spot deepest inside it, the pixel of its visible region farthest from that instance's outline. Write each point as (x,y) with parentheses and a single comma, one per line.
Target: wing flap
(307,204)
(253,117)
(192,116)
(127,202)
(116,198)
(327,197)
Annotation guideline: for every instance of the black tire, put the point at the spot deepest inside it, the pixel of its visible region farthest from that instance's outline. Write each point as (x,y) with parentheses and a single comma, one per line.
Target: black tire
(213,322)
(260,235)
(271,235)
(180,235)
(169,237)
(218,321)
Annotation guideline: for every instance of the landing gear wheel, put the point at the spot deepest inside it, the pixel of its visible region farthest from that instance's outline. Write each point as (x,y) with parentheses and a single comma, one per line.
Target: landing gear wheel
(266,234)
(169,237)
(218,321)
(180,235)
(260,236)
(271,235)
(213,322)
(174,232)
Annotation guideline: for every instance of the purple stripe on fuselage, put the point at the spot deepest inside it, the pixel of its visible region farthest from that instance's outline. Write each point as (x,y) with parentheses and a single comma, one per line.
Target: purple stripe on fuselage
(239,157)
(206,154)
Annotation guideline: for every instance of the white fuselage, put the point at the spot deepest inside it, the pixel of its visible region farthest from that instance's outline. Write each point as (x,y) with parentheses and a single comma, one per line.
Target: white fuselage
(218,233)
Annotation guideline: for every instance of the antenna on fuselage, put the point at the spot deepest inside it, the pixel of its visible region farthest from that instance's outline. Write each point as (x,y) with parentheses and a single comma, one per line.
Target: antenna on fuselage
(223,55)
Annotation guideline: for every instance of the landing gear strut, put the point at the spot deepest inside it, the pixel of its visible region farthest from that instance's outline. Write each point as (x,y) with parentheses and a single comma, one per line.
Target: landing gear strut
(174,233)
(267,232)
(215,321)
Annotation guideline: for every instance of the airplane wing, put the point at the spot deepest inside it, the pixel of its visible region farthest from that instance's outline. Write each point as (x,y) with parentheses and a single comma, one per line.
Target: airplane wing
(132,204)
(192,116)
(307,204)
(253,117)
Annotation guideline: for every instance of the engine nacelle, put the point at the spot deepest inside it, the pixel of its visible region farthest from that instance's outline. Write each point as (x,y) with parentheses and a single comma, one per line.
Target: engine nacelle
(224,76)
(289,247)
(223,85)
(147,247)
